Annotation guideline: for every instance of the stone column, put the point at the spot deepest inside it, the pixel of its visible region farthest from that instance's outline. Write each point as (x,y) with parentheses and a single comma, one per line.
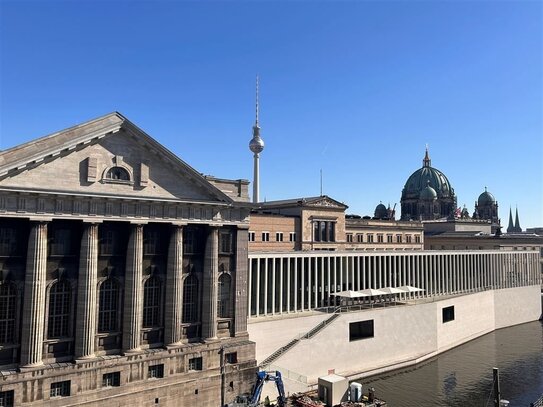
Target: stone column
(133,291)
(241,312)
(86,293)
(211,269)
(34,297)
(174,289)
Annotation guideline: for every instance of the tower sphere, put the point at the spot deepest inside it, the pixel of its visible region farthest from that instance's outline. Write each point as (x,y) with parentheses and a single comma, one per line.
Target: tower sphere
(256,145)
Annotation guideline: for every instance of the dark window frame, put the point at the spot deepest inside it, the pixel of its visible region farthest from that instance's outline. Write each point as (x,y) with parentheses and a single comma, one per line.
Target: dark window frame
(8,312)
(447,314)
(360,330)
(111,379)
(60,389)
(195,363)
(155,371)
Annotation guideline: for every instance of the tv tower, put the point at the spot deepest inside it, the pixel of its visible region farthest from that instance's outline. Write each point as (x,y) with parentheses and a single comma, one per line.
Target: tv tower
(256,145)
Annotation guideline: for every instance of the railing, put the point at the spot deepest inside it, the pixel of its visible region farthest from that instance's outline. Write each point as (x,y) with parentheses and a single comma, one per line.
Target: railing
(538,402)
(307,335)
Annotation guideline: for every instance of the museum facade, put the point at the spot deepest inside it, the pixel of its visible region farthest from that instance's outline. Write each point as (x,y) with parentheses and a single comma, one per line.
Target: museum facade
(123,273)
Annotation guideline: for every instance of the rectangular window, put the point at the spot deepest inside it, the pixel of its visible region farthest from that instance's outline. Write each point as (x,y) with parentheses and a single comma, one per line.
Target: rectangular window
(370,238)
(417,238)
(195,363)
(60,389)
(360,330)
(398,238)
(379,238)
(112,379)
(231,357)
(7,398)
(408,238)
(448,314)
(225,242)
(349,238)
(279,237)
(292,236)
(389,238)
(252,236)
(265,236)
(360,238)
(60,242)
(324,231)
(8,241)
(156,372)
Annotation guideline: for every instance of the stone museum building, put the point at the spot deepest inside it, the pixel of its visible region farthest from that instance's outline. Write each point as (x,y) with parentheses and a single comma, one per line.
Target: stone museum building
(123,274)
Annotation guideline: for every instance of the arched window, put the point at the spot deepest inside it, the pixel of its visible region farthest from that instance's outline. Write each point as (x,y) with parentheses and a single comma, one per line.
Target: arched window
(108,305)
(118,174)
(223,306)
(60,306)
(190,299)
(8,312)
(151,302)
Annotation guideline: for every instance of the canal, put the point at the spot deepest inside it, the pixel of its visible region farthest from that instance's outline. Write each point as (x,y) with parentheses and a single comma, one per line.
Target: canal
(463,375)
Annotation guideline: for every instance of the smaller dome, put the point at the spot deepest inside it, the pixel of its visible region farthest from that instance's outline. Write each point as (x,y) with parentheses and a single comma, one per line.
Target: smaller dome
(380,211)
(486,198)
(428,193)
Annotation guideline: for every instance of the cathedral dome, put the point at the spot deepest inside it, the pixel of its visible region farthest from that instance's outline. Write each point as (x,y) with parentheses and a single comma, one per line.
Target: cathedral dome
(486,198)
(380,211)
(427,176)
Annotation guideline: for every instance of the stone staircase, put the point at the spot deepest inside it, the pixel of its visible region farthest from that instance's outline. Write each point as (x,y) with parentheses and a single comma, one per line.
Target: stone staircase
(309,334)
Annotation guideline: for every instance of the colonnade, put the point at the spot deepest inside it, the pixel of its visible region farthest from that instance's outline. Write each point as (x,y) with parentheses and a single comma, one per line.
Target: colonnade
(34,304)
(295,282)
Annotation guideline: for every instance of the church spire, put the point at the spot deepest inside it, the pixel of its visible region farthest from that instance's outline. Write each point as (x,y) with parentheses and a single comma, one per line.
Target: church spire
(426,162)
(510,227)
(518,229)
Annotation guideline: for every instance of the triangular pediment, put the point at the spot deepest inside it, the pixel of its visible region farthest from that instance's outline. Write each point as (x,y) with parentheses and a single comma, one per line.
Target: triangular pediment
(326,202)
(108,156)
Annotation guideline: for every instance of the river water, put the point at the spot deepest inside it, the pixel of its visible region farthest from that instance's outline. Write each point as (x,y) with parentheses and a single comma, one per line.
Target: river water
(463,375)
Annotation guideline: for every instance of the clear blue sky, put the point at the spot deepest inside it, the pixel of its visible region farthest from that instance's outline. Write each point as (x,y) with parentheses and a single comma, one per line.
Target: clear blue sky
(354,88)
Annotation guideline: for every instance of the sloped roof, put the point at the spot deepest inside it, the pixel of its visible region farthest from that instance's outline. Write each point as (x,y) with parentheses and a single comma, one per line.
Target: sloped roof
(61,143)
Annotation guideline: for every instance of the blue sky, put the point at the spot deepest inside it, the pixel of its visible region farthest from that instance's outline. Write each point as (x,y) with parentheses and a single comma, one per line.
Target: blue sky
(353,88)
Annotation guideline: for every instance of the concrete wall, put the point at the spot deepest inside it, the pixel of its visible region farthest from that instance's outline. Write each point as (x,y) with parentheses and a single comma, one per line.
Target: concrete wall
(403,335)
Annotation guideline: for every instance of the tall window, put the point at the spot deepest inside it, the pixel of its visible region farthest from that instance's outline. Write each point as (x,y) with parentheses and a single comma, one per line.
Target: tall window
(324,231)
(151,241)
(60,304)
(108,305)
(61,242)
(8,312)
(225,242)
(151,302)
(108,239)
(190,299)
(8,241)
(223,306)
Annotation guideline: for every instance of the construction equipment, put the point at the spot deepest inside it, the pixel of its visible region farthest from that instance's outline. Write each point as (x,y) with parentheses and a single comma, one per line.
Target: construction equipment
(253,400)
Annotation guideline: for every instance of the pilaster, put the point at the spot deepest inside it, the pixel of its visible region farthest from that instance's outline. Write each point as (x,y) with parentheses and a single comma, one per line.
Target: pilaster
(210,289)
(34,297)
(241,277)
(174,289)
(86,293)
(133,291)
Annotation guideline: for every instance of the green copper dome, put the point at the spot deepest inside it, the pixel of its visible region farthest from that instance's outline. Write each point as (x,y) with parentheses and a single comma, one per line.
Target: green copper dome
(427,176)
(428,193)
(486,198)
(380,211)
